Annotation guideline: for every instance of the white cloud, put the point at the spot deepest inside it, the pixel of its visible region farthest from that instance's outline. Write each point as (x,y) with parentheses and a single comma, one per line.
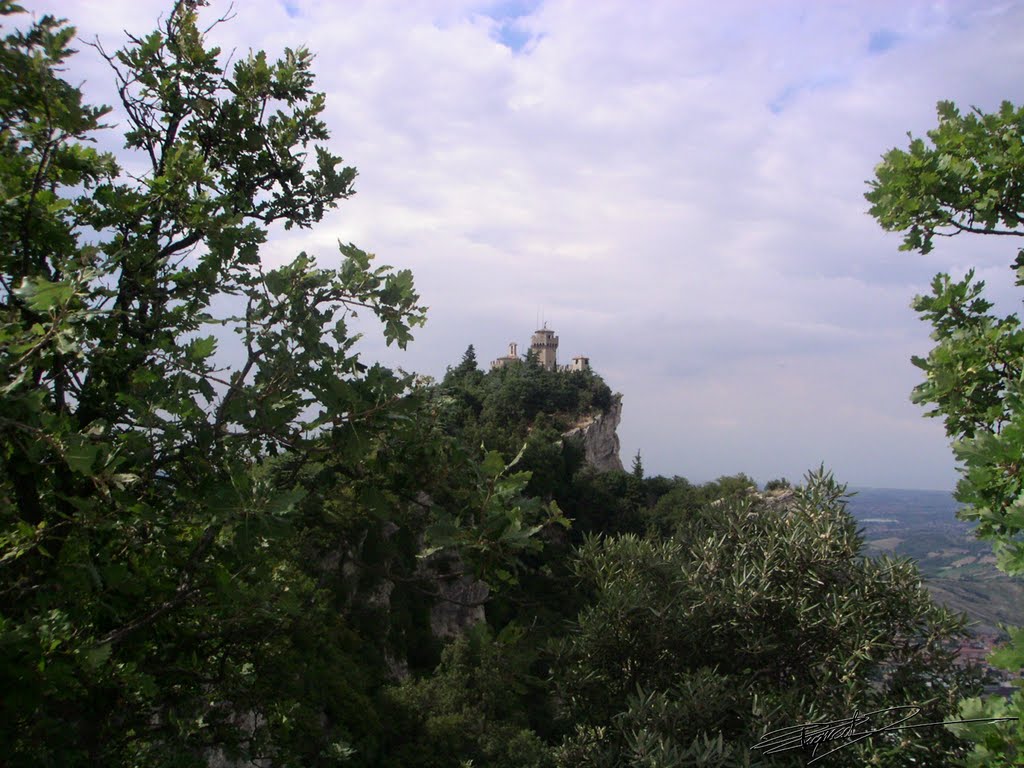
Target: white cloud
(678,187)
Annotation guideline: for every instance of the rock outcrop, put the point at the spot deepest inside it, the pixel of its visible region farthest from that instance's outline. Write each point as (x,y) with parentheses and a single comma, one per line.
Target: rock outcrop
(599,437)
(460,598)
(459,606)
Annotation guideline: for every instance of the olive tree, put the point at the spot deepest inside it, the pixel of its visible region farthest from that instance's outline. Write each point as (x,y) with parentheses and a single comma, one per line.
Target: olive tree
(752,617)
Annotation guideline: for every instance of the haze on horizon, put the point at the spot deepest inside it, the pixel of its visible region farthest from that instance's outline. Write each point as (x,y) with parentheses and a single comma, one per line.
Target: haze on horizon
(678,188)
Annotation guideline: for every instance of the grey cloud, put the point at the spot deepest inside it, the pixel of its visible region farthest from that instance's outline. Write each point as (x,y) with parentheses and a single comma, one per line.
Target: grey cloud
(623,171)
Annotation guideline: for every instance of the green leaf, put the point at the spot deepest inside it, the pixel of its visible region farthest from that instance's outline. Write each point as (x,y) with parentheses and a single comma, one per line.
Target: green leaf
(493,464)
(1011,655)
(442,533)
(81,457)
(97,655)
(202,348)
(375,501)
(225,503)
(284,502)
(40,294)
(277,281)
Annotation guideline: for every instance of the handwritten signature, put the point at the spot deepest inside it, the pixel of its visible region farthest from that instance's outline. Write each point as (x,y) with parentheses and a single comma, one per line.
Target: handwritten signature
(848,731)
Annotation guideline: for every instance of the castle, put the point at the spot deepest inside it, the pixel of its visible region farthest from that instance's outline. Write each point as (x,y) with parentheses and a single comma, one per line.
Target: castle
(544,345)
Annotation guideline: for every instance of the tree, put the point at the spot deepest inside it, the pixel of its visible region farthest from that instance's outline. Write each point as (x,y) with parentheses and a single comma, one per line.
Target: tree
(967,179)
(153,584)
(473,710)
(174,535)
(748,619)
(468,363)
(637,470)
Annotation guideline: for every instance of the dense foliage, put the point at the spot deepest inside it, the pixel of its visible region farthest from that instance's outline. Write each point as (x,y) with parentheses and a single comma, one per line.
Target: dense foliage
(162,579)
(499,408)
(306,559)
(749,617)
(967,179)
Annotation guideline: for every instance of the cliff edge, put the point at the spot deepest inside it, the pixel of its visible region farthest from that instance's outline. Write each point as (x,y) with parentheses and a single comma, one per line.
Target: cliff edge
(599,437)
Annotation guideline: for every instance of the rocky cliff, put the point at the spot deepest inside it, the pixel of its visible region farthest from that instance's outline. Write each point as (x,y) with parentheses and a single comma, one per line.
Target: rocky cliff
(459,605)
(599,438)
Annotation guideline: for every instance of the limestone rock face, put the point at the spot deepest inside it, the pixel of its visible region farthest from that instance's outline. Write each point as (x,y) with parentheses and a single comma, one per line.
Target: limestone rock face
(460,605)
(599,438)
(460,599)
(780,499)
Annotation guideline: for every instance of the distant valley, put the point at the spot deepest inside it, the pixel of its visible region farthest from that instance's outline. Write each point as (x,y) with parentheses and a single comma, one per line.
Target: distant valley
(958,569)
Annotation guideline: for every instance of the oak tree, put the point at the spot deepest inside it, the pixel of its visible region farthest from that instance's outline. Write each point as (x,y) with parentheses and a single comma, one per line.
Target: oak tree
(152,588)
(966,179)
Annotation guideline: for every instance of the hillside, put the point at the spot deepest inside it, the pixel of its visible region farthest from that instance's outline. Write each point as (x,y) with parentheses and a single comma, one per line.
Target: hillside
(958,569)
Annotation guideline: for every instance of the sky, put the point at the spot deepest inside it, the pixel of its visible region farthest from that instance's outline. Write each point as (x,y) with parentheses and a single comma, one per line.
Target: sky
(676,188)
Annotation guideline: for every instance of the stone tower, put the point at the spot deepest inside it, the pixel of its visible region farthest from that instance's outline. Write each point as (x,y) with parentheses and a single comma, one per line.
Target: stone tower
(544,344)
(511,357)
(580,363)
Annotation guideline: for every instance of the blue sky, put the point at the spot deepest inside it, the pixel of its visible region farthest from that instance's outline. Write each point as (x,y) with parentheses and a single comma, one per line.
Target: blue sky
(678,188)
(508,29)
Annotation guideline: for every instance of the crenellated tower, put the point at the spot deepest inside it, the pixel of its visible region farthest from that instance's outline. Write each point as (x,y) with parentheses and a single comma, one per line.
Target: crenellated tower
(544,344)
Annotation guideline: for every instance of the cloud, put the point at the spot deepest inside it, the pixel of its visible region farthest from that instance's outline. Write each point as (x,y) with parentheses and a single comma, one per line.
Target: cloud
(679,188)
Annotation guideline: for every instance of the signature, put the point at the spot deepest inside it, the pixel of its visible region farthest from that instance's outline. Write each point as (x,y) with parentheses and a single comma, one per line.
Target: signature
(848,731)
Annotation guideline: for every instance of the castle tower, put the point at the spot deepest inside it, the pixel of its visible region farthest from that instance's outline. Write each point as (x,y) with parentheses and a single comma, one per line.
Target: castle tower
(580,363)
(545,345)
(511,357)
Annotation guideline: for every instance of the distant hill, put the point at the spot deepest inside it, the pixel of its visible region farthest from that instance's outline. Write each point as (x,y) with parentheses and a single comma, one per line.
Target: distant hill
(959,570)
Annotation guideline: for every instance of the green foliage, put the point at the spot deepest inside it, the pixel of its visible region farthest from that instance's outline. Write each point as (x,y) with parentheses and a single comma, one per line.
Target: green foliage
(967,180)
(174,538)
(499,407)
(152,584)
(523,409)
(637,470)
(498,528)
(748,619)
(472,709)
(605,502)
(204,564)
(468,365)
(679,500)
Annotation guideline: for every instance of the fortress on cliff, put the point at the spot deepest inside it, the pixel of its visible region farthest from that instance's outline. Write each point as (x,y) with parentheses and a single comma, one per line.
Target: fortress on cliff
(544,344)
